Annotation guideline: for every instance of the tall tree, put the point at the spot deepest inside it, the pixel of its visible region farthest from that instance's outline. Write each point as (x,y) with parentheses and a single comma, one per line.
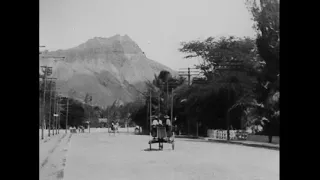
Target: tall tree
(227,63)
(265,13)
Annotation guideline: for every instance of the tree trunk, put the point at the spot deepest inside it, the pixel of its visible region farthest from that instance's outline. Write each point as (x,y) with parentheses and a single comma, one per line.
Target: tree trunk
(270,138)
(270,132)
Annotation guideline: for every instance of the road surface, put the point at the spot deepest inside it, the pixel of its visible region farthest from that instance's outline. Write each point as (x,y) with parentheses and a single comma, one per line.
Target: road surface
(99,156)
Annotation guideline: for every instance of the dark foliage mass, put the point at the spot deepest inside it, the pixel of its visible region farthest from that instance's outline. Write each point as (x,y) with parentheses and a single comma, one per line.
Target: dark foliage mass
(241,81)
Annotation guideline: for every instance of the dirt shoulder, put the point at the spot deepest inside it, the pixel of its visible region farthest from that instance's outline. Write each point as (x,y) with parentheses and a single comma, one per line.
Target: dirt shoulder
(53,157)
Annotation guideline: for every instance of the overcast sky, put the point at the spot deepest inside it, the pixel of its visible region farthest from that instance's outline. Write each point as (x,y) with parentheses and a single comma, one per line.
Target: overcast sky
(157,26)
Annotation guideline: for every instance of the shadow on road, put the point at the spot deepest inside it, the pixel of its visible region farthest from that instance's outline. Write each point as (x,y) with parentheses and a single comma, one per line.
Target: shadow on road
(153,149)
(193,140)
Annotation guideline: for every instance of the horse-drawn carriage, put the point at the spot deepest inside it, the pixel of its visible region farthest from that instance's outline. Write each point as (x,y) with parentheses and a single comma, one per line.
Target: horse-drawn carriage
(113,128)
(160,133)
(162,136)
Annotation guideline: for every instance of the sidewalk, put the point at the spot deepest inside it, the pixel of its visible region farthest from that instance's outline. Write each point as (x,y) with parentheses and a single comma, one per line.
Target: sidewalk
(46,148)
(239,142)
(46,138)
(248,143)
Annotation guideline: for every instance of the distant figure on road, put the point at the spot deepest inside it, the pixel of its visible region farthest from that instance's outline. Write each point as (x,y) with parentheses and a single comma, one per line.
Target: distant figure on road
(112,126)
(117,127)
(137,130)
(168,125)
(73,129)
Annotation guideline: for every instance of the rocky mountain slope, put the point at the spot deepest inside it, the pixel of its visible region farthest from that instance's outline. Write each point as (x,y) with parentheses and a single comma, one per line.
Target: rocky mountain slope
(108,68)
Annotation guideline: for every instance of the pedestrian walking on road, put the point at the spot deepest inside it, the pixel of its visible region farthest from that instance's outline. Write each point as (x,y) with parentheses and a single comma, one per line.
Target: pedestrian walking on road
(117,127)
(168,125)
(112,126)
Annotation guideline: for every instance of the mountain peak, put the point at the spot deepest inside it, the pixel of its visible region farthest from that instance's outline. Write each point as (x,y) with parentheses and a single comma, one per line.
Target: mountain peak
(113,69)
(126,38)
(121,42)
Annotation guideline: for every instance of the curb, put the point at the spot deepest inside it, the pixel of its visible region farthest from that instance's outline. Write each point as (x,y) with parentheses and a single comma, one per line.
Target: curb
(188,137)
(245,144)
(48,138)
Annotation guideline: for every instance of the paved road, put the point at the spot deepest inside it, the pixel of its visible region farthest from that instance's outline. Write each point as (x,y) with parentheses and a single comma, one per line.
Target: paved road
(99,156)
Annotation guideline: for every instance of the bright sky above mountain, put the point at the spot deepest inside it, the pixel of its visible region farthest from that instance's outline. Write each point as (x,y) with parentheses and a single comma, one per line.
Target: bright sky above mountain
(157,26)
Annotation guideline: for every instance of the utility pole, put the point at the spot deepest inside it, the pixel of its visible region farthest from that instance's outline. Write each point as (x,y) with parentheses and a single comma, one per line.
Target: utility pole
(159,102)
(197,128)
(58,117)
(67,115)
(44,100)
(90,103)
(128,119)
(171,106)
(46,72)
(227,116)
(58,125)
(58,112)
(50,109)
(90,112)
(55,110)
(167,100)
(188,76)
(150,121)
(188,72)
(147,114)
(52,83)
(235,66)
(40,119)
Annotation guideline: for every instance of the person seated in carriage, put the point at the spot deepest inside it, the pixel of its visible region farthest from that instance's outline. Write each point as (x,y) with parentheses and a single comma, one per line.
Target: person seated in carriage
(168,122)
(160,122)
(154,126)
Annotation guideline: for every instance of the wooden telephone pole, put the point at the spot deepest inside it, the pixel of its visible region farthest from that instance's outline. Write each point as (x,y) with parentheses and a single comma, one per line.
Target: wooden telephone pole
(58,118)
(188,72)
(67,115)
(47,71)
(150,114)
(52,83)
